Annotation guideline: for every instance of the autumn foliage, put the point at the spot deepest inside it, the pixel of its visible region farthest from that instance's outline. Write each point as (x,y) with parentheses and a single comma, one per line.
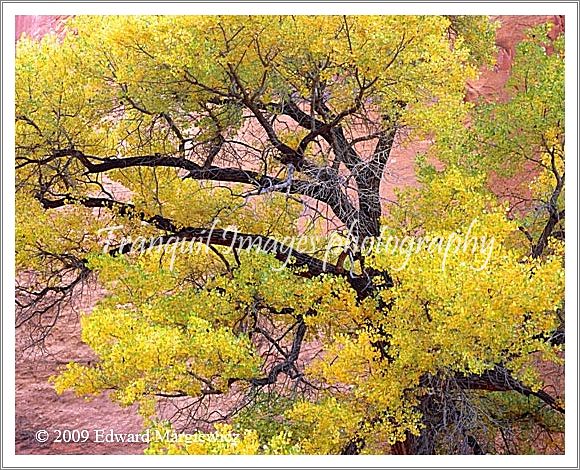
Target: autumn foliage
(269,312)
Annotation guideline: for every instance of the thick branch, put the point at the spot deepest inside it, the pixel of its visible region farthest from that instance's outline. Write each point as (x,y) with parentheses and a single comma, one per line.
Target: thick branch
(211,236)
(554,218)
(500,380)
(324,188)
(289,363)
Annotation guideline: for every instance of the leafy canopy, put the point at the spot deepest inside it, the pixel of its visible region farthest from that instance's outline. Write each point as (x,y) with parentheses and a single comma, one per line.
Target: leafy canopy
(279,127)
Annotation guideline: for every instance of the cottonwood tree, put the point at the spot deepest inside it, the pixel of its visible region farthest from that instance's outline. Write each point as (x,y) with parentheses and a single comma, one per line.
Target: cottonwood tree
(254,152)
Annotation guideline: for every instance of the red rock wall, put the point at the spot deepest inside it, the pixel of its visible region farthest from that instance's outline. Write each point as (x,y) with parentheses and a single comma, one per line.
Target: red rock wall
(38,25)
(490,85)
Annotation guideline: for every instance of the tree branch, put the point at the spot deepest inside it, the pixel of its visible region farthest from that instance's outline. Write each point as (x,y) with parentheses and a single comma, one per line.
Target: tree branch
(324,188)
(499,379)
(211,236)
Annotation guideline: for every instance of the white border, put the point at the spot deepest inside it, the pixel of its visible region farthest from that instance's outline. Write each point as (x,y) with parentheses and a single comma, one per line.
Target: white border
(295,8)
(571,225)
(10,10)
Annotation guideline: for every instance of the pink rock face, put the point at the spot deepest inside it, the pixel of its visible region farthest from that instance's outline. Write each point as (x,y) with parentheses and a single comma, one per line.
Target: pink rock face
(491,83)
(37,26)
(491,87)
